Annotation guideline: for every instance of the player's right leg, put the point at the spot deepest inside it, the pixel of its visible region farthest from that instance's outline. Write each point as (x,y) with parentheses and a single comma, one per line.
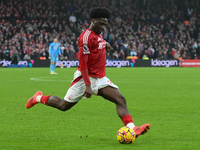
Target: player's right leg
(114,95)
(141,129)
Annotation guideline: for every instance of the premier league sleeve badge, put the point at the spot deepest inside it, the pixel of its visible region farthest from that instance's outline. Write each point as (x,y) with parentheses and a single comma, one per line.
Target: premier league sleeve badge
(86,49)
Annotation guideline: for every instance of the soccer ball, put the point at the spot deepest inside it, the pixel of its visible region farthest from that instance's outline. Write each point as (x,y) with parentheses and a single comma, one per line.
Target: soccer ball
(126,135)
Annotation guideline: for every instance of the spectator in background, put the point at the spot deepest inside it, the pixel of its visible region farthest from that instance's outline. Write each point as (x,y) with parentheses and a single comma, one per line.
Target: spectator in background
(21,57)
(115,55)
(121,54)
(15,58)
(32,54)
(44,54)
(173,52)
(133,52)
(144,57)
(66,53)
(177,54)
(169,55)
(72,18)
(160,54)
(3,55)
(72,55)
(165,55)
(150,51)
(193,54)
(85,24)
(184,56)
(27,56)
(62,48)
(7,53)
(37,54)
(108,56)
(116,46)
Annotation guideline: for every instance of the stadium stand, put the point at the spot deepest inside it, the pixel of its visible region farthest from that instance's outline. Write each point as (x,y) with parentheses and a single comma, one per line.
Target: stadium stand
(154,28)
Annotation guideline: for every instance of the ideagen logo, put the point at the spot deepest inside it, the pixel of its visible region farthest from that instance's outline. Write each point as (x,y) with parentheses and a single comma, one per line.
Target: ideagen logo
(117,63)
(68,64)
(164,63)
(5,63)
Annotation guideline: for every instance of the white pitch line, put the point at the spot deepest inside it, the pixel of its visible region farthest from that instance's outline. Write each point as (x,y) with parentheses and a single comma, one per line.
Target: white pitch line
(46,79)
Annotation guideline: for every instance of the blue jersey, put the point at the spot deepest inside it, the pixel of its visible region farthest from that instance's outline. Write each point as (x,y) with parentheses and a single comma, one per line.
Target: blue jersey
(54,49)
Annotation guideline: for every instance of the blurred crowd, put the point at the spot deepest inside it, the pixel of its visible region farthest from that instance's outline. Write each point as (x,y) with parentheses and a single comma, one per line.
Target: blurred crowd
(162,29)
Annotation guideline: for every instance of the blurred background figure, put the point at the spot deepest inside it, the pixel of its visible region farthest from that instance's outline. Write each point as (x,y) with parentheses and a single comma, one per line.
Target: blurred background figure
(15,58)
(54,52)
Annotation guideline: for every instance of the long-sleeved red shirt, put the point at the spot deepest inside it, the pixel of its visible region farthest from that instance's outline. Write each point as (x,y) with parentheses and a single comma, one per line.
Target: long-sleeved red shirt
(92,52)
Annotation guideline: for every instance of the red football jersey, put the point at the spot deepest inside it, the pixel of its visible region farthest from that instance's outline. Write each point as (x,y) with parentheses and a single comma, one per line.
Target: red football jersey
(94,46)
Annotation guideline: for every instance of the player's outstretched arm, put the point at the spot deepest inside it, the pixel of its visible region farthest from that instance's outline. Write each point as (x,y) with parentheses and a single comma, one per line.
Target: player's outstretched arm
(84,71)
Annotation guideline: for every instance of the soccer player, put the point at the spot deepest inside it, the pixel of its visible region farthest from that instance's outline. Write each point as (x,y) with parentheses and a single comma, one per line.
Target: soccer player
(54,51)
(90,77)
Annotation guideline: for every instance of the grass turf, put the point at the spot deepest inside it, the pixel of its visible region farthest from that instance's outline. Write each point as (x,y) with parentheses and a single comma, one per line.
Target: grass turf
(168,98)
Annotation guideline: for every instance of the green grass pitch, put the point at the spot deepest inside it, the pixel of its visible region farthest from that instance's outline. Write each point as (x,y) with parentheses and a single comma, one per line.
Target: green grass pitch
(168,98)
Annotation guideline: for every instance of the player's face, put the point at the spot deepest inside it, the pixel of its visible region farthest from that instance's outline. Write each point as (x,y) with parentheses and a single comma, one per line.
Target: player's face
(55,40)
(99,24)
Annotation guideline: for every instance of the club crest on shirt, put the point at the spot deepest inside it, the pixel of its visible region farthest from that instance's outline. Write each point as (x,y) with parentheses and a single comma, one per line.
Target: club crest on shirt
(70,96)
(86,49)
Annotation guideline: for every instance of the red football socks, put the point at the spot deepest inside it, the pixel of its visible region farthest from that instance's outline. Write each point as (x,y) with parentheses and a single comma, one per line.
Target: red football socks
(44,99)
(127,119)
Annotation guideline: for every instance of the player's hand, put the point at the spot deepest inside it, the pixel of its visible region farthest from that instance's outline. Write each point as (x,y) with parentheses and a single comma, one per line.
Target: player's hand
(49,57)
(88,91)
(108,47)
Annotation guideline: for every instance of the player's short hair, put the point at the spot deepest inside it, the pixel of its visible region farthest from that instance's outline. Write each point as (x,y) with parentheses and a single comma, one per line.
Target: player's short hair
(100,12)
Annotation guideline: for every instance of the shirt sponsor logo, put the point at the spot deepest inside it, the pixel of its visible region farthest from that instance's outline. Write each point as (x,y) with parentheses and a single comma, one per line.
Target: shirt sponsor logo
(101,45)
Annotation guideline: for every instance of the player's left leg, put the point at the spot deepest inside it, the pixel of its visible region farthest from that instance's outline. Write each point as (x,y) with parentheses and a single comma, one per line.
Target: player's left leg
(56,102)
(54,67)
(53,101)
(113,94)
(54,59)
(73,95)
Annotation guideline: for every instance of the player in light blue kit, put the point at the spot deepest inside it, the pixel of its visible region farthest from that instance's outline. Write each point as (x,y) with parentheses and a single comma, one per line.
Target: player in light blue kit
(54,51)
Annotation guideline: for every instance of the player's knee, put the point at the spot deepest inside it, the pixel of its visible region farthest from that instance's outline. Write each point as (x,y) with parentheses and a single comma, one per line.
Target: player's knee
(65,106)
(122,100)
